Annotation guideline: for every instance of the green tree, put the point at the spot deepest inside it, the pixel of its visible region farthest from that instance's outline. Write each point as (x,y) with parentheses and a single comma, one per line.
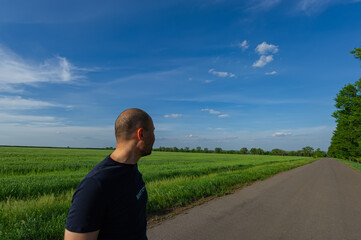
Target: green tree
(260,151)
(307,151)
(278,152)
(292,153)
(218,150)
(346,139)
(243,150)
(357,53)
(253,151)
(319,153)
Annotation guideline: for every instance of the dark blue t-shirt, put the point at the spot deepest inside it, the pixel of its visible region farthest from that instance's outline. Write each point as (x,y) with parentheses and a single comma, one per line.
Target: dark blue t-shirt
(112,198)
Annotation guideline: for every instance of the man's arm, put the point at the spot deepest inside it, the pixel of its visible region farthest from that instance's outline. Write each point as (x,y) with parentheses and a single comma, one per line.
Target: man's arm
(81,236)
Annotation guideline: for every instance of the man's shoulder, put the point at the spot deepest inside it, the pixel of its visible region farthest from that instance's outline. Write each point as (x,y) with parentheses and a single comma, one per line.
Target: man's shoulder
(109,169)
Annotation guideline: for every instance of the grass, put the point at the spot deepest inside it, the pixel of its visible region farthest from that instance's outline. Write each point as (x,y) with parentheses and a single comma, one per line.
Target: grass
(354,165)
(36,184)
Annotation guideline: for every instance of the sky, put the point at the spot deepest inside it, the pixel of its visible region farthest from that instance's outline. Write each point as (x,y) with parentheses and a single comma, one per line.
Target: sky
(215,73)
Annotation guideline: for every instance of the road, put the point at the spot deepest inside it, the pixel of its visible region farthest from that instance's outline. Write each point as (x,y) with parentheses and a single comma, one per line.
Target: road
(318,201)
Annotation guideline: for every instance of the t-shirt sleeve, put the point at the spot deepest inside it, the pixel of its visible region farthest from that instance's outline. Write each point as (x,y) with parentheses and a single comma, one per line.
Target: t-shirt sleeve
(87,209)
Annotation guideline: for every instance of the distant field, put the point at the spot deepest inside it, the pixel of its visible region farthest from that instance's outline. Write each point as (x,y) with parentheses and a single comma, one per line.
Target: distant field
(36,184)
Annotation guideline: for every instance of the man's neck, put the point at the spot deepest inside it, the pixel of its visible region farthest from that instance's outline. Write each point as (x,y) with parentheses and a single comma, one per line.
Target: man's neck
(125,154)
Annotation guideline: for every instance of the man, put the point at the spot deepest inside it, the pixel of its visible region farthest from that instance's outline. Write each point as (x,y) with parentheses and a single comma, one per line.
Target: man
(110,201)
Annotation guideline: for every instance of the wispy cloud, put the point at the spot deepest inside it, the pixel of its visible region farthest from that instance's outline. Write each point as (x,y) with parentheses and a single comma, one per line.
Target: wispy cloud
(4,117)
(262,5)
(310,7)
(271,73)
(173,115)
(31,120)
(265,48)
(221,74)
(244,45)
(211,111)
(263,60)
(281,134)
(15,71)
(34,134)
(208,81)
(314,6)
(19,103)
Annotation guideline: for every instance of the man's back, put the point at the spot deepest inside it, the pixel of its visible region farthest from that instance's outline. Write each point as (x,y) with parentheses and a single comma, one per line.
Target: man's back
(112,198)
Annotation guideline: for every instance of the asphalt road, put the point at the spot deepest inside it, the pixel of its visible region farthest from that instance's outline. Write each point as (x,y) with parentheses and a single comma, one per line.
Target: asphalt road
(319,201)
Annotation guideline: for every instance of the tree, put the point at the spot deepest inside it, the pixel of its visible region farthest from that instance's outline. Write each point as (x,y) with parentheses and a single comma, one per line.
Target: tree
(253,151)
(292,153)
(307,151)
(346,139)
(243,150)
(319,153)
(260,151)
(357,53)
(218,150)
(278,152)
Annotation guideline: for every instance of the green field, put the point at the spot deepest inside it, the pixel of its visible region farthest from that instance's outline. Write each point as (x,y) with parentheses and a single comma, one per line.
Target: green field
(36,184)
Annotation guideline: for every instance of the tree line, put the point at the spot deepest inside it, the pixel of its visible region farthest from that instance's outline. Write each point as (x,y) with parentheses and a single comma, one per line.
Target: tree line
(305,151)
(346,139)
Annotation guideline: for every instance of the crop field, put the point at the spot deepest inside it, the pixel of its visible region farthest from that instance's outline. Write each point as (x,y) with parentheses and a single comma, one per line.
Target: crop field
(37,184)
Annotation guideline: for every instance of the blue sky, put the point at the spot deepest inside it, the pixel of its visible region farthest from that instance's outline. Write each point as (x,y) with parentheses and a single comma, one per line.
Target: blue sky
(227,74)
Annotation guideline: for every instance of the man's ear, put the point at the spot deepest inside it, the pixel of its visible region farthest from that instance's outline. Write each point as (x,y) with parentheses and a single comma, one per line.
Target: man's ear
(140,133)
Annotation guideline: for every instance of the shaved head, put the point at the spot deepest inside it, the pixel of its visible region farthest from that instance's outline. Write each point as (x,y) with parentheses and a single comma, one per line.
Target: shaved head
(129,121)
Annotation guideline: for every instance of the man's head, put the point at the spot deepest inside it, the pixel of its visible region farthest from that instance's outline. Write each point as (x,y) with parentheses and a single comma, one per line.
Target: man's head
(136,124)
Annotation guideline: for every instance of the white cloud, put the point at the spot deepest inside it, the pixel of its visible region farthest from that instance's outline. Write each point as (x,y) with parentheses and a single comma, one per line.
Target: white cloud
(316,6)
(208,81)
(271,73)
(263,60)
(244,45)
(173,115)
(56,136)
(15,71)
(221,74)
(4,117)
(211,111)
(265,48)
(19,103)
(189,136)
(281,134)
(262,5)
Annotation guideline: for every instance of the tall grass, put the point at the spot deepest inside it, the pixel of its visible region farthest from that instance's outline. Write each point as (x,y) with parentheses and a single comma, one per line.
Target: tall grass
(354,165)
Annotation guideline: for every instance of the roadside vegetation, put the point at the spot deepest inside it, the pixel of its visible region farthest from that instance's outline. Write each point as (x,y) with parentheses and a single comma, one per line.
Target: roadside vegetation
(353,164)
(36,184)
(346,139)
